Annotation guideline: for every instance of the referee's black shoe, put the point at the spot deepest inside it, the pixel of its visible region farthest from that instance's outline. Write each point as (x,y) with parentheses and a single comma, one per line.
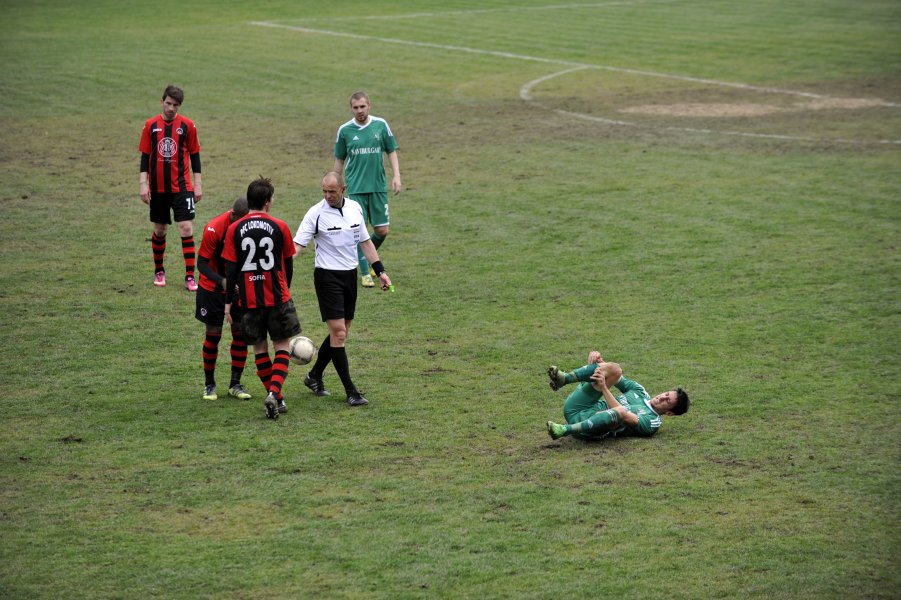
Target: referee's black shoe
(316,385)
(355,398)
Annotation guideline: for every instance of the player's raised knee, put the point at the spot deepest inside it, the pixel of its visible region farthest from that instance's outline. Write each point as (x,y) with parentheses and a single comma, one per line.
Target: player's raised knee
(612,372)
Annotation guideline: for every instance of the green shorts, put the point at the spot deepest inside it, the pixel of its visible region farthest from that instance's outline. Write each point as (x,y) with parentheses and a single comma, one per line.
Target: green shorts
(375,207)
(582,403)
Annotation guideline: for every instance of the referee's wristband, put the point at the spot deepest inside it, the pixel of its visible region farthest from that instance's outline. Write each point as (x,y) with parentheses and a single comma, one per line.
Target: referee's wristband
(378,267)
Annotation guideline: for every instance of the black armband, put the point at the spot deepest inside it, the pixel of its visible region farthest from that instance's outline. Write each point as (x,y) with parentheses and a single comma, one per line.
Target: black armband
(195,163)
(378,267)
(145,163)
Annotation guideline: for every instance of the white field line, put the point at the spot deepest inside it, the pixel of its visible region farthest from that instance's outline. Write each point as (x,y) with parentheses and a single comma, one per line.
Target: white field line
(525,93)
(576,66)
(480,11)
(526,57)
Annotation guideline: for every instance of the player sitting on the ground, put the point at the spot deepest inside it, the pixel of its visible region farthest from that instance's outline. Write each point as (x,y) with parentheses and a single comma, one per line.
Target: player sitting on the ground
(593,412)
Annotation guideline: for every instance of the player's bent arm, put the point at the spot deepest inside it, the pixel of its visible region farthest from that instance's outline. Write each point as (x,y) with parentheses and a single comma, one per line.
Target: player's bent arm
(627,417)
(203,265)
(339,166)
(612,402)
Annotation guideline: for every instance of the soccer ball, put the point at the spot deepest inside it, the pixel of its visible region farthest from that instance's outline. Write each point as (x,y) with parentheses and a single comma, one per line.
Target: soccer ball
(301,350)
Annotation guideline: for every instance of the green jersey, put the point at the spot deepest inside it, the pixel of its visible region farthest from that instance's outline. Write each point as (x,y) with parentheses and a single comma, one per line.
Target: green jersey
(638,401)
(585,403)
(363,148)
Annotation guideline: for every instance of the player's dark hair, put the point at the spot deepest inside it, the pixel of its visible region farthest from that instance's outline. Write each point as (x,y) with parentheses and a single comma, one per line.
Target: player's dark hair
(259,192)
(681,402)
(174,92)
(239,208)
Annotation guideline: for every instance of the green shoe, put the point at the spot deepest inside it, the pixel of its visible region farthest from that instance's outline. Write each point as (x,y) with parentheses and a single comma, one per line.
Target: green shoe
(555,430)
(367,281)
(239,392)
(558,377)
(209,393)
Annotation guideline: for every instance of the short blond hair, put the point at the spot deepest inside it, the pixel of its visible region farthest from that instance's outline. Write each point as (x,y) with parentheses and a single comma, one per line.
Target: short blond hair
(357,96)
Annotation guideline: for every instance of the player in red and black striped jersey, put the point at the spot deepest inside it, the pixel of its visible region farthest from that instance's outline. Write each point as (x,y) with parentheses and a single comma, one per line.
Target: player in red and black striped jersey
(262,248)
(211,304)
(171,181)
(259,260)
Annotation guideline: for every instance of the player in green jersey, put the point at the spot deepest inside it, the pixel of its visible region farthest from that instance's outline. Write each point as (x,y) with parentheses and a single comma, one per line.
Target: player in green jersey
(593,412)
(360,149)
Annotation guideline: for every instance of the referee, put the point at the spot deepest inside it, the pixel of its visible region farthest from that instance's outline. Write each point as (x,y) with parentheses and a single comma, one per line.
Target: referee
(337,226)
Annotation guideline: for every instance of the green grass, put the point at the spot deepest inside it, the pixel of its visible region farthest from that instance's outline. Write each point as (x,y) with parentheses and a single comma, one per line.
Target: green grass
(760,273)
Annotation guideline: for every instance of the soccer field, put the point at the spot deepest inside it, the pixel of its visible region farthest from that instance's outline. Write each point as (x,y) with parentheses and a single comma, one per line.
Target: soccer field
(706,191)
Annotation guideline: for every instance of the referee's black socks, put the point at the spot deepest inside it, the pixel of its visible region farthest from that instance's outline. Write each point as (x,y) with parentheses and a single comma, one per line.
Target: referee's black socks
(339,359)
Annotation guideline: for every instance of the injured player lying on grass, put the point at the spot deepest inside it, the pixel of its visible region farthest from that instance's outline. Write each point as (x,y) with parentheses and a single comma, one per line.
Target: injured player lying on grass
(592,411)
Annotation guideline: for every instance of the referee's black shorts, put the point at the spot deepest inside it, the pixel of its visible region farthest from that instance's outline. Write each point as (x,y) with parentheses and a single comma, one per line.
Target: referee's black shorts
(336,292)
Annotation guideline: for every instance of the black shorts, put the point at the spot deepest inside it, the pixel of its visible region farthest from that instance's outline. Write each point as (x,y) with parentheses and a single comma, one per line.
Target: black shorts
(181,204)
(278,322)
(211,309)
(336,292)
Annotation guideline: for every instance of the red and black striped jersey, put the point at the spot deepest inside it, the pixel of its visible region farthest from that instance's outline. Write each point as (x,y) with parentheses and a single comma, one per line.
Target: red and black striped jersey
(170,145)
(211,246)
(259,245)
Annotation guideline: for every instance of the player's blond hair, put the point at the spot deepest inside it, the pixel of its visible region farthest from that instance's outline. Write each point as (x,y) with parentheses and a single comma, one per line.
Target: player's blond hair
(357,96)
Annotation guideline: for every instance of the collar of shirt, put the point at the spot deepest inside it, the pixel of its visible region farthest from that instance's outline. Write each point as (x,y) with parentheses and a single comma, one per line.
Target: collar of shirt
(340,209)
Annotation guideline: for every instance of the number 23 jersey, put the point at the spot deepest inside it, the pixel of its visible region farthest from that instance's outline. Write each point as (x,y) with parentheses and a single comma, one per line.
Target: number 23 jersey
(259,245)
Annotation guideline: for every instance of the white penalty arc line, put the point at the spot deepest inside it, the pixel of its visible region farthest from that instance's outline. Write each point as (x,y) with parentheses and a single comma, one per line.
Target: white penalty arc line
(577,66)
(555,61)
(525,93)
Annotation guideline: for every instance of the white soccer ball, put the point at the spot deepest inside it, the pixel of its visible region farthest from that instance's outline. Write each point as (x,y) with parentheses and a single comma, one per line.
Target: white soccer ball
(301,350)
